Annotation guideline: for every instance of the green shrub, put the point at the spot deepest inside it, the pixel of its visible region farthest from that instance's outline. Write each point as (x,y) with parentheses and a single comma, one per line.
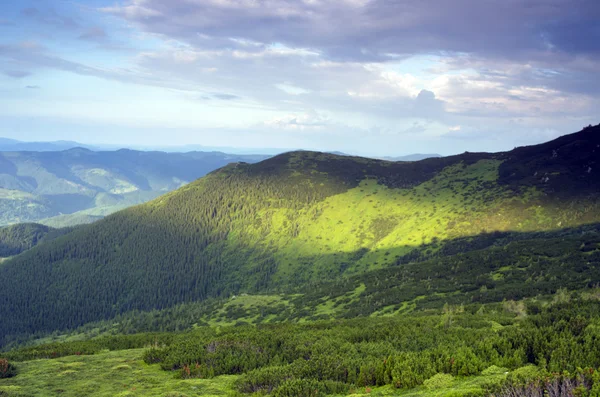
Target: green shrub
(494,370)
(439,381)
(7,370)
(525,375)
(309,388)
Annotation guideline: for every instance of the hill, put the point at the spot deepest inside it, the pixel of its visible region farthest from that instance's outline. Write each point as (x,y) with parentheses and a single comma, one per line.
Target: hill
(16,239)
(298,220)
(80,186)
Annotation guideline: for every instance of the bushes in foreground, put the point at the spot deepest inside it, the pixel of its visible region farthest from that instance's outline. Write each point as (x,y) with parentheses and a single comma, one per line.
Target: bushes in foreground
(326,357)
(533,382)
(7,369)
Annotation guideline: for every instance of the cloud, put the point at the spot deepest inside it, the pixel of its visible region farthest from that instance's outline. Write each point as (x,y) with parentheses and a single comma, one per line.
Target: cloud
(50,17)
(225,97)
(34,56)
(33,87)
(17,74)
(301,122)
(494,59)
(94,34)
(381,29)
(348,67)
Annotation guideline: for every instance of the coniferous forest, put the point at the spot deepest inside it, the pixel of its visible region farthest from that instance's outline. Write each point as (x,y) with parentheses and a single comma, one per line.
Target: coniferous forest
(313,274)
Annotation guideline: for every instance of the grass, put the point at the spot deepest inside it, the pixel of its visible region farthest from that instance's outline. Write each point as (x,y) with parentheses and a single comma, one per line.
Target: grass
(322,239)
(123,373)
(247,308)
(118,373)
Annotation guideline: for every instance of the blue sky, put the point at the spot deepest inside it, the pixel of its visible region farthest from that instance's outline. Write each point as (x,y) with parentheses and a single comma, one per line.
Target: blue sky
(371,77)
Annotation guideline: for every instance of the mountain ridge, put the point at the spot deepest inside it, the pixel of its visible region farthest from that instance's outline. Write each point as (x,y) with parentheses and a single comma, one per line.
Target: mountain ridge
(291,221)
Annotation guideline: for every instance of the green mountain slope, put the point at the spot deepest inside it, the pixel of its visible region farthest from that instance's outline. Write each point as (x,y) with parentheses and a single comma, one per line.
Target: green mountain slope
(300,219)
(79,186)
(16,239)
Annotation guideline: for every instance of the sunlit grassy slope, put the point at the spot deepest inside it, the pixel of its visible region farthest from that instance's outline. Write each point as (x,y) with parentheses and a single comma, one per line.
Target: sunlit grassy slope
(109,374)
(296,220)
(462,200)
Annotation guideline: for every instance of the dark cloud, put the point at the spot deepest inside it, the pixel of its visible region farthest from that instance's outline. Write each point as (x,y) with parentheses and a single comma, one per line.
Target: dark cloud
(219,96)
(225,97)
(94,34)
(377,29)
(426,105)
(17,74)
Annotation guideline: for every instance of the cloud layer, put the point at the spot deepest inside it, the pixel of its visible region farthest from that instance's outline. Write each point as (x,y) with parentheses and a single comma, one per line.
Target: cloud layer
(466,74)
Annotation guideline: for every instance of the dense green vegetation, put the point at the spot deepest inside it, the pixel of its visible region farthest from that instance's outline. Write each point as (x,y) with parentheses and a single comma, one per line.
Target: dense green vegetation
(491,269)
(459,229)
(312,274)
(7,369)
(502,349)
(80,186)
(403,352)
(21,237)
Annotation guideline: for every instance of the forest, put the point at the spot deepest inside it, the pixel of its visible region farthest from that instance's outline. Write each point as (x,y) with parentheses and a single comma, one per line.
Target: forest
(303,218)
(318,274)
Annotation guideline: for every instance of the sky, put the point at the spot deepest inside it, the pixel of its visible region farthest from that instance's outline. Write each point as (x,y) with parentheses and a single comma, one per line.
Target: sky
(369,77)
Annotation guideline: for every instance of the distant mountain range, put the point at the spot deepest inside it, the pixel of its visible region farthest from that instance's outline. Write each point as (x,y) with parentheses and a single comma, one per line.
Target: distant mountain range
(12,145)
(79,185)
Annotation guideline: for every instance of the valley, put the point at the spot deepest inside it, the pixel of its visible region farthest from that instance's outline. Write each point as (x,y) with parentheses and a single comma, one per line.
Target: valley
(78,186)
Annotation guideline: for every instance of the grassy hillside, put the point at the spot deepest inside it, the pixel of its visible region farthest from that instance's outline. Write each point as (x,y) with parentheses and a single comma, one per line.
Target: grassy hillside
(301,219)
(78,185)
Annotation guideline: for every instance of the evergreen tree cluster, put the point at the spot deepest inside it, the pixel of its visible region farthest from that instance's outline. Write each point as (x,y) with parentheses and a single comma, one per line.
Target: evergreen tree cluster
(333,357)
(23,236)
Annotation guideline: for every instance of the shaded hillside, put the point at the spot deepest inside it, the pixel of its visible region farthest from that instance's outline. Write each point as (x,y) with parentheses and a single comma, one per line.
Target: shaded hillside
(292,221)
(472,271)
(19,238)
(567,166)
(39,185)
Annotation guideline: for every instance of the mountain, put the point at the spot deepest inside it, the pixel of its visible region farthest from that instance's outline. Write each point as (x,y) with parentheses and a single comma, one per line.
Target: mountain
(16,239)
(12,145)
(80,186)
(521,222)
